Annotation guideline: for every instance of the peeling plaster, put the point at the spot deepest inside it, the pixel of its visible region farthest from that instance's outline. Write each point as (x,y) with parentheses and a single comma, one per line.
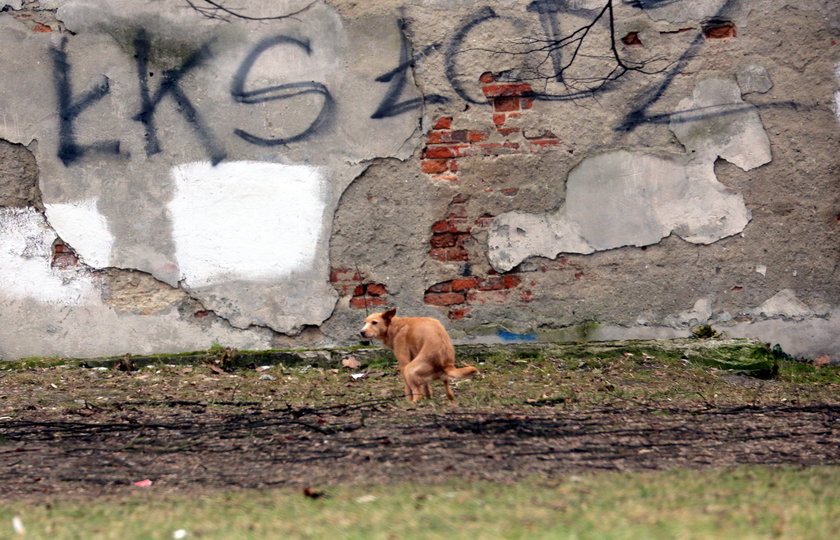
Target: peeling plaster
(784,304)
(837,93)
(56,304)
(753,78)
(84,228)
(25,261)
(637,198)
(715,121)
(623,199)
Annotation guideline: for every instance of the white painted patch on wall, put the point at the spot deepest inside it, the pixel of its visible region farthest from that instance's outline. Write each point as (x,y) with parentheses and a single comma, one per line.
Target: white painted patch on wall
(26,261)
(245,220)
(80,225)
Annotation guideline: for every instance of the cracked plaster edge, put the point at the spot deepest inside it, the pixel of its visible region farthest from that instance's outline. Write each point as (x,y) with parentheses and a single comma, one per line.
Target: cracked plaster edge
(86,271)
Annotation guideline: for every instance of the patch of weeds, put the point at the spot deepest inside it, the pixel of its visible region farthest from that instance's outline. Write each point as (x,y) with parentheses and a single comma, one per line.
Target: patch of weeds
(380,361)
(547,401)
(222,357)
(806,373)
(758,360)
(705,331)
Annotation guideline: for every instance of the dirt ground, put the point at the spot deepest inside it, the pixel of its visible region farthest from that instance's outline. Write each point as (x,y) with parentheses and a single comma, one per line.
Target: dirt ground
(75,432)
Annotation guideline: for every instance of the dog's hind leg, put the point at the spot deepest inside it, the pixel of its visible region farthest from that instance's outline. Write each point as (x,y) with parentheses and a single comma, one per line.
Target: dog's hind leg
(449,393)
(417,377)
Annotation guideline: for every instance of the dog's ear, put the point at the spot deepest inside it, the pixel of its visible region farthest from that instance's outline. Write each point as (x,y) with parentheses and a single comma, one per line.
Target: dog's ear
(388,315)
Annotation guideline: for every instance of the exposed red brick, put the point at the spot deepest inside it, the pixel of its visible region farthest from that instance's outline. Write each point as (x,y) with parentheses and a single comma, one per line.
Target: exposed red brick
(361,302)
(443,286)
(499,119)
(376,289)
(359,290)
(435,137)
(510,192)
(451,225)
(526,296)
(487,77)
(434,166)
(442,240)
(490,284)
(449,254)
(63,256)
(507,90)
(41,28)
(445,152)
(632,39)
(507,131)
(201,314)
(737,288)
(444,299)
(539,145)
(453,165)
(527,103)
(511,282)
(476,136)
(579,275)
(463,284)
(506,104)
(719,30)
(458,314)
(443,137)
(444,122)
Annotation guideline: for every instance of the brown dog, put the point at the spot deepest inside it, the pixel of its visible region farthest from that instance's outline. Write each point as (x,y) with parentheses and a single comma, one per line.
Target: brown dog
(423,350)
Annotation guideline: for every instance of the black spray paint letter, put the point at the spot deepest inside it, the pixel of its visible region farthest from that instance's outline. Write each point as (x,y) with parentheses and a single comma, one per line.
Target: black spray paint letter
(170,85)
(398,78)
(484,14)
(68,110)
(278,92)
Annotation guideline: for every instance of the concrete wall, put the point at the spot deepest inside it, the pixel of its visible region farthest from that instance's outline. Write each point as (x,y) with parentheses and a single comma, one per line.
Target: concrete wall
(260,174)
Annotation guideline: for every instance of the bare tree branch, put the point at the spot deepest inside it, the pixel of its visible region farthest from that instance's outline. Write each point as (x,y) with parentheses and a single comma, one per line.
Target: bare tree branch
(213,9)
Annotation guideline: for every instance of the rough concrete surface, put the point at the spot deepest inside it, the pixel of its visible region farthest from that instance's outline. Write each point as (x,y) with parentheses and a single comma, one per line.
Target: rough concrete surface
(177,176)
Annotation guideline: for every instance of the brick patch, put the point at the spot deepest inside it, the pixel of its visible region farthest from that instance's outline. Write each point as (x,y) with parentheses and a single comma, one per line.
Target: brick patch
(63,256)
(719,30)
(460,294)
(445,146)
(632,39)
(363,294)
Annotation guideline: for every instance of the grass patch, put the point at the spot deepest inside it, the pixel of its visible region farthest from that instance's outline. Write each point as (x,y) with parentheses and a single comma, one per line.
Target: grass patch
(572,377)
(745,502)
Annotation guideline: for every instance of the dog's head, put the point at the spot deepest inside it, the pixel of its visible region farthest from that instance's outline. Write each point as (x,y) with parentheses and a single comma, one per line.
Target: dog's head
(376,325)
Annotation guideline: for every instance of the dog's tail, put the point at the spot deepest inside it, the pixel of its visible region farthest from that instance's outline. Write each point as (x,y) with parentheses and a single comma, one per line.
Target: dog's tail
(460,373)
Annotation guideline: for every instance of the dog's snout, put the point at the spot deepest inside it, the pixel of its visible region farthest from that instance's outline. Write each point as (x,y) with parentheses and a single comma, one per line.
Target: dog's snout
(362,333)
